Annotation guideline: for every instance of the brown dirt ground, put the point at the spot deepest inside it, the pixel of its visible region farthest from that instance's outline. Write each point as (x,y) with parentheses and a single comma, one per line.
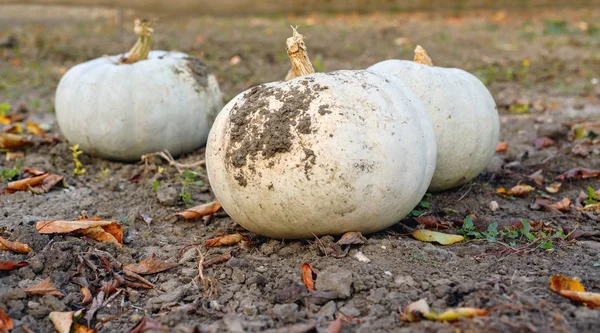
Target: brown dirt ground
(547,61)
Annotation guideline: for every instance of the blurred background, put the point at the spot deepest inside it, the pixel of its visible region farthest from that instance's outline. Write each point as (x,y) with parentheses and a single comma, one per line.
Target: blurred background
(526,51)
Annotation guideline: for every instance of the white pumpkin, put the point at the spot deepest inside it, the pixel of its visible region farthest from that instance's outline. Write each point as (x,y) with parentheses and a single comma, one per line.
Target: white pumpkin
(119,108)
(321,154)
(464,115)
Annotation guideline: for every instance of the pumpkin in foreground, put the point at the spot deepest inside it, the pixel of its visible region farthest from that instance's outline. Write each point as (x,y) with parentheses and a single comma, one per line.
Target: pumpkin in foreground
(324,153)
(463,112)
(123,107)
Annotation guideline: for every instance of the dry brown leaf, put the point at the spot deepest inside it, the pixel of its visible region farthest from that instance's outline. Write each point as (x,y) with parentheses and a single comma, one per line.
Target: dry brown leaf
(516,190)
(39,183)
(14,155)
(149,266)
(578,173)
(537,177)
(18,247)
(351,238)
(422,57)
(430,222)
(434,236)
(63,321)
(553,188)
(34,128)
(45,287)
(103,231)
(574,290)
(6,324)
(230,239)
(13,141)
(307,276)
(563,205)
(87,296)
(200,211)
(9,265)
(502,146)
(543,142)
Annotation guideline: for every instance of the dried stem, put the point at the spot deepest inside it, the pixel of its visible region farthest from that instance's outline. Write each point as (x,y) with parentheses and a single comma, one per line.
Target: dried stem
(296,50)
(141,48)
(421,56)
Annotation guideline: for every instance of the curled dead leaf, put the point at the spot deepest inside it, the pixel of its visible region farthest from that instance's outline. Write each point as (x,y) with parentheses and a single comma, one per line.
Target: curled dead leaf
(563,205)
(516,190)
(6,324)
(502,146)
(574,290)
(351,238)
(34,128)
(553,188)
(13,141)
(434,236)
(9,265)
(578,173)
(230,239)
(200,211)
(430,222)
(149,266)
(103,231)
(18,247)
(45,287)
(38,183)
(307,276)
(537,177)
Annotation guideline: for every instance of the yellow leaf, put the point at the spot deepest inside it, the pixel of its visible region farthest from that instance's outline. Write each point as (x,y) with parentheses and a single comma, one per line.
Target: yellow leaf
(434,236)
(574,290)
(456,314)
(517,190)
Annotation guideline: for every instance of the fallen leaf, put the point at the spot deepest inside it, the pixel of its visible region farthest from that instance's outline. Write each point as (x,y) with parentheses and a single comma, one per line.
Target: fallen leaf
(578,233)
(18,247)
(63,321)
(578,173)
(147,325)
(104,231)
(14,155)
(413,312)
(39,183)
(430,222)
(502,146)
(230,239)
(456,314)
(351,238)
(585,129)
(553,188)
(45,287)
(574,290)
(563,205)
(200,211)
(149,266)
(537,177)
(516,190)
(6,324)
(217,260)
(543,142)
(307,276)
(434,236)
(146,218)
(87,296)
(34,128)
(9,265)
(590,208)
(13,141)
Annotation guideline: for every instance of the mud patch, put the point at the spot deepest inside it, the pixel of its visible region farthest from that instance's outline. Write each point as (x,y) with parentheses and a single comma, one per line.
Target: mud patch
(258,128)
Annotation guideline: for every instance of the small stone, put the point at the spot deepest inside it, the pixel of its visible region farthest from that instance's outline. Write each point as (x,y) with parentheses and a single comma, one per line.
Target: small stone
(387,273)
(361,257)
(425,285)
(238,276)
(287,313)
(494,206)
(405,280)
(327,311)
(167,195)
(233,323)
(350,311)
(336,279)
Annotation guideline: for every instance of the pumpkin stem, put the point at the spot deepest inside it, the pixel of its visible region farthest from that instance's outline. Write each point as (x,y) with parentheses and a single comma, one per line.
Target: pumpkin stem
(296,50)
(421,56)
(141,48)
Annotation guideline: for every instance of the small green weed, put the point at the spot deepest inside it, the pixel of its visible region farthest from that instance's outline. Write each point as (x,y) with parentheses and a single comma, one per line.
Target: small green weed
(155,185)
(592,197)
(11,174)
(422,204)
(188,179)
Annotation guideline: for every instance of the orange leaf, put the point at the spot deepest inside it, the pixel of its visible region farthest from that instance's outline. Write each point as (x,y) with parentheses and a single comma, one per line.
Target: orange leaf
(563,205)
(103,231)
(352,237)
(6,324)
(516,190)
(149,266)
(574,290)
(430,222)
(45,287)
(13,141)
(543,142)
(199,211)
(18,247)
(307,276)
(553,188)
(87,296)
(224,240)
(4,120)
(9,265)
(578,173)
(502,146)
(34,128)
(25,184)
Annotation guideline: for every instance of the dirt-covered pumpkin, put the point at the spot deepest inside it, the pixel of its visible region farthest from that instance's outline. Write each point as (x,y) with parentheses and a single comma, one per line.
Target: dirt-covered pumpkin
(121,107)
(323,153)
(464,115)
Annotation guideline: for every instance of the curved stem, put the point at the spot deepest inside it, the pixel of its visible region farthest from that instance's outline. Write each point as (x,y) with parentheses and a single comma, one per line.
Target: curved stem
(141,48)
(421,56)
(296,50)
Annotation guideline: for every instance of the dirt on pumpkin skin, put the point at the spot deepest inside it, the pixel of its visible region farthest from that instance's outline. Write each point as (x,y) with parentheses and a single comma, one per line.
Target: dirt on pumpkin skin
(260,287)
